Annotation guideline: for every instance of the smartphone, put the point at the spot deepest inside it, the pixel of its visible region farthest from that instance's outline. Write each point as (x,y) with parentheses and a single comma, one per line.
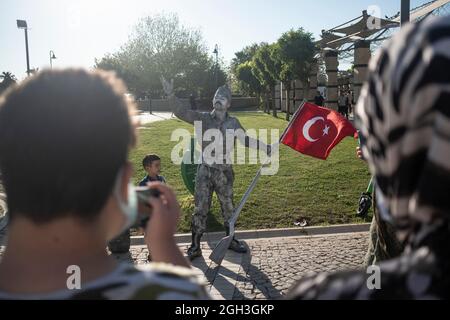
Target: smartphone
(143,193)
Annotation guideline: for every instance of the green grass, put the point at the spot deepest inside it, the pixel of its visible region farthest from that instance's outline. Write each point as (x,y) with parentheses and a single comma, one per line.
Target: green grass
(323,192)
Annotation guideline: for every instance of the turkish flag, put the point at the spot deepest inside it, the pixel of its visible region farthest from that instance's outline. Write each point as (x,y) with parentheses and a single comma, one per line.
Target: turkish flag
(315,130)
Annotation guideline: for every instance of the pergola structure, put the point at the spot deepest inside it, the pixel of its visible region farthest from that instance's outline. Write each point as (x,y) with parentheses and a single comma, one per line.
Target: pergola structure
(355,36)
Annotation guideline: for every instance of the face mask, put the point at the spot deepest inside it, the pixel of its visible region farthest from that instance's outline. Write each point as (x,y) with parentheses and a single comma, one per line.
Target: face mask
(129,208)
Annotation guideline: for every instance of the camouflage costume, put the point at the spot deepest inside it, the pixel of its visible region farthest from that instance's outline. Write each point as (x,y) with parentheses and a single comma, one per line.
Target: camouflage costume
(213,176)
(209,179)
(383,243)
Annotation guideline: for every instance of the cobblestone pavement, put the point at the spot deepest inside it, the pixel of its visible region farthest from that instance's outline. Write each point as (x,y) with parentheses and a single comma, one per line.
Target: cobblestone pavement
(272,265)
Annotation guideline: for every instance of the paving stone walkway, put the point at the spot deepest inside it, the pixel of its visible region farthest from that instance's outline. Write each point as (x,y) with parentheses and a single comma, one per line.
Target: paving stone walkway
(272,265)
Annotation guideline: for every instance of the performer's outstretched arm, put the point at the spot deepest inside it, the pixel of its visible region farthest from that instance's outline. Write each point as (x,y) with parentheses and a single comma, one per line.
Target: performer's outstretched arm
(182,112)
(250,142)
(176,106)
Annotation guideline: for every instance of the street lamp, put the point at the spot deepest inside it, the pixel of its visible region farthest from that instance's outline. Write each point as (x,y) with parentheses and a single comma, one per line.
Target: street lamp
(216,52)
(404,11)
(52,56)
(22,24)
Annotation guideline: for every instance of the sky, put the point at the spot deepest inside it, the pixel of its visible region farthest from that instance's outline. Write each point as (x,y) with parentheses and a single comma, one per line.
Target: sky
(78,31)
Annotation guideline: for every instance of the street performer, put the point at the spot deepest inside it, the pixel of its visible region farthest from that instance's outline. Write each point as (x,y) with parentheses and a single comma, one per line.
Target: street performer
(213,175)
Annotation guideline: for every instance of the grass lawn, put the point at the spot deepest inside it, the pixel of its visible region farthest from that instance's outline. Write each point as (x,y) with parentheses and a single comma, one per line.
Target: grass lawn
(323,192)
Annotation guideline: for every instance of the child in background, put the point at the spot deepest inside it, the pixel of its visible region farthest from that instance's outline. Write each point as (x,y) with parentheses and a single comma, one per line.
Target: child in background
(152,165)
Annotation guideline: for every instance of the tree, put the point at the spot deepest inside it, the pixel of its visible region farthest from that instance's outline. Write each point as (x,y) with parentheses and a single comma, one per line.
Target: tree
(249,82)
(295,52)
(160,46)
(263,69)
(243,60)
(243,56)
(8,79)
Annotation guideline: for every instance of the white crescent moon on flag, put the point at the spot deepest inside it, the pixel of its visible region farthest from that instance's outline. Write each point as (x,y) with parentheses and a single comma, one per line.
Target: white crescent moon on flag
(308,125)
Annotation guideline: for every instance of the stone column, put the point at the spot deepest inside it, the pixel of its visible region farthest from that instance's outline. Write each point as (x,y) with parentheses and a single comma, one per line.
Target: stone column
(299,94)
(361,62)
(313,82)
(284,98)
(331,64)
(291,96)
(278,96)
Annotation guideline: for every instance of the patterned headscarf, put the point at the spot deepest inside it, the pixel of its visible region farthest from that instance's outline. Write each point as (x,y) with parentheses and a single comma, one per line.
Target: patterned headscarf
(404,117)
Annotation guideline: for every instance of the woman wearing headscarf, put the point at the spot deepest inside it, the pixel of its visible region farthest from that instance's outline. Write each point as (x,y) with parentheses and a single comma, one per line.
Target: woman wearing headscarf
(404,116)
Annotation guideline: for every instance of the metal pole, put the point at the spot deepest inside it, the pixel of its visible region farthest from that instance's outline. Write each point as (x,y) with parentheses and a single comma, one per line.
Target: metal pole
(51,63)
(216,52)
(26,47)
(404,12)
(217,70)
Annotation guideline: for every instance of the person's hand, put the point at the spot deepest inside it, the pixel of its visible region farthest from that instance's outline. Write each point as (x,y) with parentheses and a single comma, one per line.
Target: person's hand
(165,214)
(359,153)
(160,230)
(167,86)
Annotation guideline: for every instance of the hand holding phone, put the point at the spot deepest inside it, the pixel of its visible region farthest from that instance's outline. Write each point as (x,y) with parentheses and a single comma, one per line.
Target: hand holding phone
(145,209)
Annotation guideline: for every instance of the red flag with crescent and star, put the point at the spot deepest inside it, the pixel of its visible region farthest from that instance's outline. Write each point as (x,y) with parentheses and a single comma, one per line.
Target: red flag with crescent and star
(315,130)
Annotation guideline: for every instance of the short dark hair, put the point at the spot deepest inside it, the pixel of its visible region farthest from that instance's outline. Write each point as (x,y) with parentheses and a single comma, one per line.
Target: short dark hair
(148,159)
(64,135)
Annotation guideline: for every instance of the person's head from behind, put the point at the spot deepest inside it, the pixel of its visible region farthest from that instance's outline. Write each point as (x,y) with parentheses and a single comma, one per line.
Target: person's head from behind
(64,142)
(404,116)
(152,164)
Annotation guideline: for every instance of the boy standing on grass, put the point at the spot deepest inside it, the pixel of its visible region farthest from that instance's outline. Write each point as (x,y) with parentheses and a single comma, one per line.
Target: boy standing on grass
(152,165)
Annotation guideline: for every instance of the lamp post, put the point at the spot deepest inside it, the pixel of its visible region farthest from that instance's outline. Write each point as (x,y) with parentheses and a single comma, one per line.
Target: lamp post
(216,52)
(52,56)
(404,12)
(22,24)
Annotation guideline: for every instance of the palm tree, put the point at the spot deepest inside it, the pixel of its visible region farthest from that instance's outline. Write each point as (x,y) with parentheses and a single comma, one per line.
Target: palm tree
(8,80)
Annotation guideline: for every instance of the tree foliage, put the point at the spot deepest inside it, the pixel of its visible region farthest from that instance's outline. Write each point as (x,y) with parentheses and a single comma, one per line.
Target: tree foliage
(161,46)
(296,51)
(8,79)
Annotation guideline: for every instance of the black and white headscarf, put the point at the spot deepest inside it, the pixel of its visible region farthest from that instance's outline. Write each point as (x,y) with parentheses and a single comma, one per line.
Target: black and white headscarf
(404,115)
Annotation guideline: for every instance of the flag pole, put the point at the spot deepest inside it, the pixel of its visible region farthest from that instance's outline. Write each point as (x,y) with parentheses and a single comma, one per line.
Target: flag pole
(294,117)
(221,248)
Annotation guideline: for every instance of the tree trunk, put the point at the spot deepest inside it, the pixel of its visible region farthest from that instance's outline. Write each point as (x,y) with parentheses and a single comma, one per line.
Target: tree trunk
(258,98)
(288,114)
(266,103)
(306,86)
(288,98)
(274,105)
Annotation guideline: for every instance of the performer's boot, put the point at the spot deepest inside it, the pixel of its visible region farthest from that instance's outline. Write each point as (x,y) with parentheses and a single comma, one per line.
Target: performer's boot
(195,249)
(235,245)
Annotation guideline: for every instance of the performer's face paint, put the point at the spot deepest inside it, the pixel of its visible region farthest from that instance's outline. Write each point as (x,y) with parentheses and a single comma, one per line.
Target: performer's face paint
(221,103)
(222,99)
